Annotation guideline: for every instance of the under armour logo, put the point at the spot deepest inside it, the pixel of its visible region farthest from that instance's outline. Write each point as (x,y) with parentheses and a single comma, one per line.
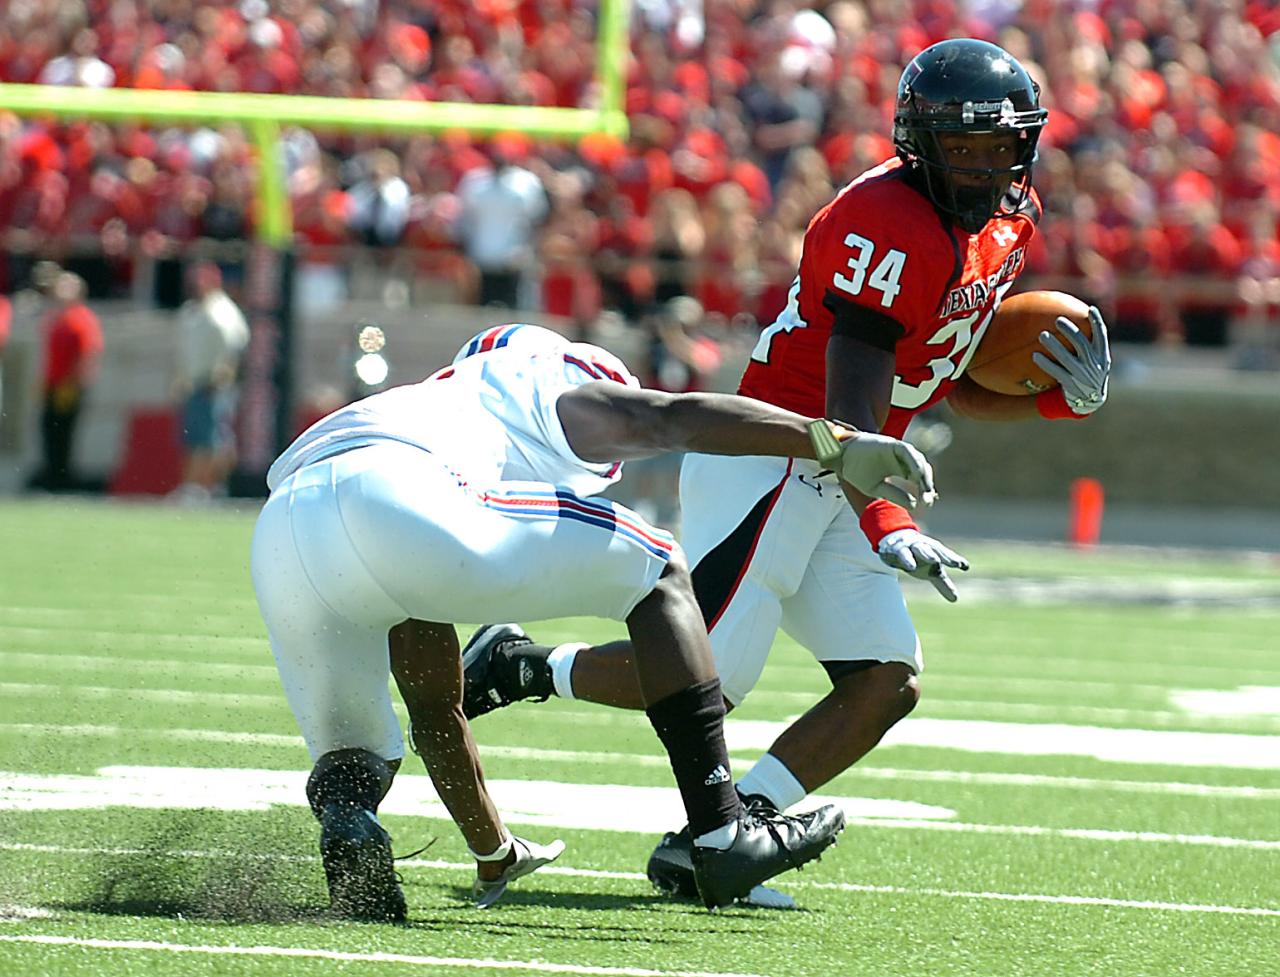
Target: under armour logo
(1004,236)
(717,776)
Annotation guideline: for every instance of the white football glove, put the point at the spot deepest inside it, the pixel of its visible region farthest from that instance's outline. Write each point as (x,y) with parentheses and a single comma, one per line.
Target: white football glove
(921,556)
(866,460)
(1084,371)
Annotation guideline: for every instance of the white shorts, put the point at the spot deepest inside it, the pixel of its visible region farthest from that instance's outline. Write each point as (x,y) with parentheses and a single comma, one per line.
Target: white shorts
(773,545)
(352,545)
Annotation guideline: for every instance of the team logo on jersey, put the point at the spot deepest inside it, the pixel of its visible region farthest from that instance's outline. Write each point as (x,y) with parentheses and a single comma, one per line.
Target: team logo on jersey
(977,294)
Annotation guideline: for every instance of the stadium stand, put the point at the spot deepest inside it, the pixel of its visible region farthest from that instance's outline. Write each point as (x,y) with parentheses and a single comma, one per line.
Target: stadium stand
(1160,168)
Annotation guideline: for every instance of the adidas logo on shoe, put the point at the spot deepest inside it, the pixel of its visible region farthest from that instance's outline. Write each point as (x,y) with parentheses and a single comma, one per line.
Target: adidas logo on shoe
(717,776)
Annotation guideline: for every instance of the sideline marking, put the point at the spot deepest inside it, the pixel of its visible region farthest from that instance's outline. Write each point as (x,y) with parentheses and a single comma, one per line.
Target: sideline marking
(534,966)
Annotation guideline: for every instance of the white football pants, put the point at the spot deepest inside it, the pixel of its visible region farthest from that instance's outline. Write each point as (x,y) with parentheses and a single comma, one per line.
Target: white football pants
(352,545)
(772,544)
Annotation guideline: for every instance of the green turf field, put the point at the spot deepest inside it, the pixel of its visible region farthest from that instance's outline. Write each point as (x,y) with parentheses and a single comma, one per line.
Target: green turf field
(1091,784)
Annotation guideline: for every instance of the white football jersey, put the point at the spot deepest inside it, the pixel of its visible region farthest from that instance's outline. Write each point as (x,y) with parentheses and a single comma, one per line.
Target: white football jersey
(489,417)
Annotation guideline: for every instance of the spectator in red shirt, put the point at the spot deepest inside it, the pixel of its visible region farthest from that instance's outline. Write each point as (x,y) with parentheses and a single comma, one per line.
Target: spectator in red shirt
(73,342)
(1206,248)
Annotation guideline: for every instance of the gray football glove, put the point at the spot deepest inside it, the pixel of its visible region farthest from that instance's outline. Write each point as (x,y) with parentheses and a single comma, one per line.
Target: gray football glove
(866,460)
(921,556)
(1083,372)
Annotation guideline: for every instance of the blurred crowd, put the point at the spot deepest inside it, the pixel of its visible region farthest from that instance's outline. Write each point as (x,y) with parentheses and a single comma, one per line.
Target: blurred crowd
(1159,168)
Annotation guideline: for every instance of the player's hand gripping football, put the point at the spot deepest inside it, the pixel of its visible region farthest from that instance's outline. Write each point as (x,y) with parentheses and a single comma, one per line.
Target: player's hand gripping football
(865,460)
(918,555)
(1083,371)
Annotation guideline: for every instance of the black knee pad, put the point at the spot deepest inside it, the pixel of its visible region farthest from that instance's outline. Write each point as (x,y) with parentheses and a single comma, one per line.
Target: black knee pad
(356,777)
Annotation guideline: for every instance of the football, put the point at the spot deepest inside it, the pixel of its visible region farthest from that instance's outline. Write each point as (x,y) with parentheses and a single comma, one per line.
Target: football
(1002,362)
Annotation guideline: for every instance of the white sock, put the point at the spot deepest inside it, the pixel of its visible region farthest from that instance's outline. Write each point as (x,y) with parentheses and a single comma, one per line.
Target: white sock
(560,661)
(722,837)
(771,778)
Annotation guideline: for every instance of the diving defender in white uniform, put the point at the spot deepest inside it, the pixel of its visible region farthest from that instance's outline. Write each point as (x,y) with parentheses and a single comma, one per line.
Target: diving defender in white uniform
(471,496)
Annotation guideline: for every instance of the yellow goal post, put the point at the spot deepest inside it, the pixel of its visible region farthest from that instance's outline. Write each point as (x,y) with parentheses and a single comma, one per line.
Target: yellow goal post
(267,382)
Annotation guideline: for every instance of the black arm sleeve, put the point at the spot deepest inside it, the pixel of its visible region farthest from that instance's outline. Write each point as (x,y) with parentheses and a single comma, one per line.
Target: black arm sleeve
(866,325)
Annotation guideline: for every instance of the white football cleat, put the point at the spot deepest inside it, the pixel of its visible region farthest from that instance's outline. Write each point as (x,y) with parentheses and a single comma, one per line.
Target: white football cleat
(530,856)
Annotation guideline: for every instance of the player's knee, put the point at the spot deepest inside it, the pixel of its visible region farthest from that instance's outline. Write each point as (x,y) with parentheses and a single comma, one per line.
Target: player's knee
(676,580)
(908,695)
(898,690)
(892,686)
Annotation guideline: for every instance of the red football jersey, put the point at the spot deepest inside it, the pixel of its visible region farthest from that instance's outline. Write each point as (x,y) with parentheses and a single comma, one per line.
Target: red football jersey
(881,245)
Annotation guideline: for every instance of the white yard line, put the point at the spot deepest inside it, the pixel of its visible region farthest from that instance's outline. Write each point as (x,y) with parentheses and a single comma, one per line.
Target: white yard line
(1111,744)
(1178,907)
(987,779)
(956,710)
(947,707)
(789,882)
(132,636)
(135,732)
(607,807)
(1081,834)
(400,959)
(160,666)
(1072,668)
(939,704)
(223,700)
(946,681)
(657,761)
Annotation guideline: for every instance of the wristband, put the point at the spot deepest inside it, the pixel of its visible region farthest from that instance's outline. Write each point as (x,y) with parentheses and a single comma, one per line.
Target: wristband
(827,448)
(498,854)
(1052,405)
(880,518)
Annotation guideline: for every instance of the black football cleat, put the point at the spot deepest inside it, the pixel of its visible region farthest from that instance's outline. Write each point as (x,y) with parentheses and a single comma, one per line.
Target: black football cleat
(670,866)
(497,670)
(767,843)
(356,852)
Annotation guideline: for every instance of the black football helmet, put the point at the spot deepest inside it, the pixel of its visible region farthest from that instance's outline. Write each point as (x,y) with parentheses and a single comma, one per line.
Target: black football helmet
(965,85)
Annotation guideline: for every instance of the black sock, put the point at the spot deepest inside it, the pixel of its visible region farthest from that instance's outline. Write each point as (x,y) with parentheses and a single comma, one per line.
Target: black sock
(352,776)
(538,682)
(690,724)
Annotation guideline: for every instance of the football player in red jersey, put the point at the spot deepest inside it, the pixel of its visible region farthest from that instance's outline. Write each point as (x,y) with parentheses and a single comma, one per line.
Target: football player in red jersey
(900,276)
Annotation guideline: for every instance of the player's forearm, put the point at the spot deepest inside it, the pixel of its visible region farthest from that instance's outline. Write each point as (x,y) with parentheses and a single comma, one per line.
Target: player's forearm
(979,404)
(724,424)
(609,422)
